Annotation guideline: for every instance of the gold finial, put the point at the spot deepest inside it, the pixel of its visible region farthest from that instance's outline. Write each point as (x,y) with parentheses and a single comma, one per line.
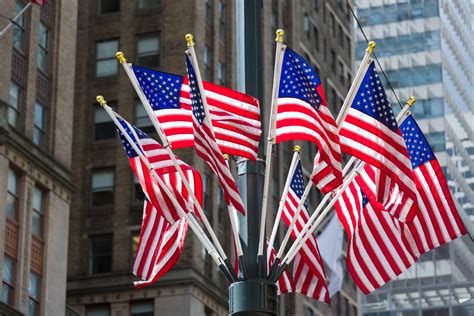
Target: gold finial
(226,156)
(297,148)
(370,47)
(279,33)
(100,99)
(411,101)
(120,56)
(189,39)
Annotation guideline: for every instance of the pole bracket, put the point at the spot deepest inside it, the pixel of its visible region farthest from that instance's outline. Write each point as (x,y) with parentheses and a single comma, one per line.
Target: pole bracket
(253,297)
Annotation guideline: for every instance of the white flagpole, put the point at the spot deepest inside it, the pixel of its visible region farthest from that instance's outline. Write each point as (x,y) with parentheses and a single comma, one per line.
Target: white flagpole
(7,27)
(167,146)
(192,222)
(280,48)
(309,228)
(291,171)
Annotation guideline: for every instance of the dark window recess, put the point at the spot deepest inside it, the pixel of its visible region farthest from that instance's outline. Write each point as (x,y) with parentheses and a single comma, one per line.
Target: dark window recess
(148,51)
(109,6)
(100,254)
(137,188)
(148,4)
(103,187)
(144,308)
(98,310)
(104,127)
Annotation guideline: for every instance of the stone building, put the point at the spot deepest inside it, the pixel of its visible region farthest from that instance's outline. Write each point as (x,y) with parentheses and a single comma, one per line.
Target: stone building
(36,113)
(107,207)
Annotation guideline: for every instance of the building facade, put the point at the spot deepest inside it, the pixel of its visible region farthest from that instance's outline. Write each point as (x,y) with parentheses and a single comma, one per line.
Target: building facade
(36,104)
(107,207)
(425,49)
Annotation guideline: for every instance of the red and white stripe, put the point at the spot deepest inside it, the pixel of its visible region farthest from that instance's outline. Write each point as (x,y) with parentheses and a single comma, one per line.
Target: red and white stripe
(285,282)
(235,117)
(159,246)
(378,251)
(298,120)
(370,140)
(308,270)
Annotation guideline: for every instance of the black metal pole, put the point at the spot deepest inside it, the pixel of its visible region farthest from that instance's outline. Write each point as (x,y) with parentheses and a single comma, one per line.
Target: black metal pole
(254,295)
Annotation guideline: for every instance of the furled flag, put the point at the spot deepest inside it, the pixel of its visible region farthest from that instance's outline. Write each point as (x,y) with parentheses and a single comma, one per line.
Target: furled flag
(377,251)
(40,2)
(437,221)
(159,246)
(302,114)
(285,281)
(308,270)
(162,164)
(206,146)
(235,116)
(331,240)
(370,132)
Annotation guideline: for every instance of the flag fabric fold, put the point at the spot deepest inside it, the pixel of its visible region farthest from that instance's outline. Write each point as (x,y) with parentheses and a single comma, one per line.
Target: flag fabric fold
(162,164)
(159,246)
(308,270)
(370,132)
(40,2)
(206,146)
(285,281)
(303,114)
(235,116)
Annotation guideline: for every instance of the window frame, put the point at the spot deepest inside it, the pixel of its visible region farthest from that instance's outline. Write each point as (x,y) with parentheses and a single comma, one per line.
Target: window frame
(107,306)
(99,8)
(11,285)
(20,25)
(113,106)
(15,109)
(41,129)
(157,5)
(16,195)
(156,53)
(39,213)
(144,301)
(91,255)
(36,300)
(147,129)
(44,49)
(93,170)
(104,59)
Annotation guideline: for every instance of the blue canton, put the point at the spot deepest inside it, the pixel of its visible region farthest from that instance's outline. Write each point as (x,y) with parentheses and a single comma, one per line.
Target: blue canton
(299,80)
(417,145)
(297,183)
(161,89)
(196,101)
(365,200)
(372,100)
(131,153)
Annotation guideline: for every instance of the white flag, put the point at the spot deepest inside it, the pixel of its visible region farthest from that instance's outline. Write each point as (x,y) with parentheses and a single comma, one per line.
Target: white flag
(330,243)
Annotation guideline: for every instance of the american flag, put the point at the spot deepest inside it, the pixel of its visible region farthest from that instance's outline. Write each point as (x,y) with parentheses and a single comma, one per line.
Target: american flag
(308,270)
(437,221)
(159,246)
(302,114)
(234,115)
(370,133)
(285,281)
(378,251)
(40,2)
(206,146)
(162,164)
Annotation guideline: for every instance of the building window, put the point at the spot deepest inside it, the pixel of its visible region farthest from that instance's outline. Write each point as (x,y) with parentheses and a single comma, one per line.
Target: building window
(14,106)
(316,38)
(98,310)
(8,280)
(148,51)
(108,6)
(19,27)
(135,238)
(100,254)
(42,55)
(104,127)
(145,308)
(106,63)
(148,4)
(103,187)
(137,189)
(142,120)
(38,212)
(12,195)
(209,11)
(34,294)
(220,73)
(221,12)
(437,141)
(206,188)
(207,63)
(306,25)
(40,124)
(333,60)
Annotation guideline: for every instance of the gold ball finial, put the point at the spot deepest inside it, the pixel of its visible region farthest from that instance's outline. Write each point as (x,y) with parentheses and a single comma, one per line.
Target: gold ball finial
(280,33)
(411,101)
(121,57)
(226,156)
(100,99)
(297,148)
(189,39)
(370,47)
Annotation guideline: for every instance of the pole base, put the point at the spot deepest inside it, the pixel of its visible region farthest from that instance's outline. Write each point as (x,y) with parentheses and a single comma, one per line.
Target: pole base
(253,297)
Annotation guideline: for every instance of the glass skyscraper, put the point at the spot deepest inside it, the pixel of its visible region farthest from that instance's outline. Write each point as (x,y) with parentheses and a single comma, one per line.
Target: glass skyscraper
(426,50)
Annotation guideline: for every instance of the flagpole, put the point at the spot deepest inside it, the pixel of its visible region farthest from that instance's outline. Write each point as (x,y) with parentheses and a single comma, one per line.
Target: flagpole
(309,228)
(235,230)
(13,21)
(192,222)
(270,141)
(291,170)
(146,104)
